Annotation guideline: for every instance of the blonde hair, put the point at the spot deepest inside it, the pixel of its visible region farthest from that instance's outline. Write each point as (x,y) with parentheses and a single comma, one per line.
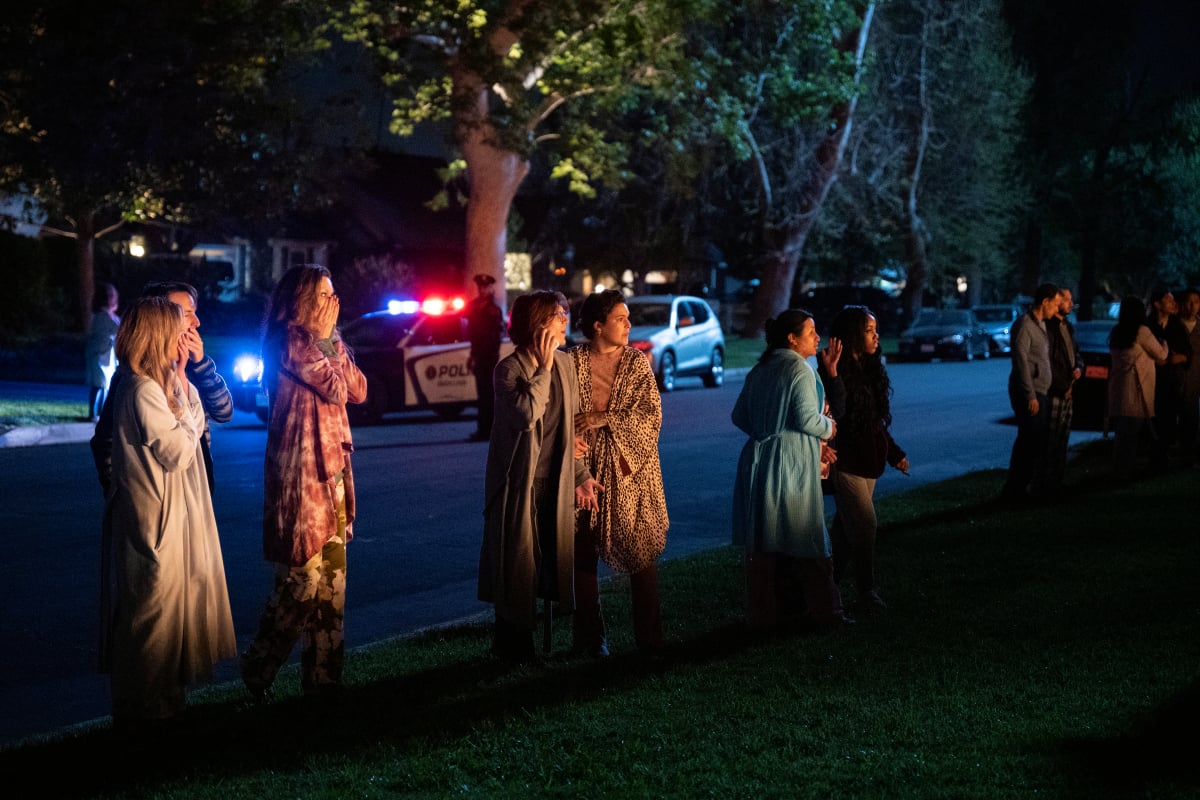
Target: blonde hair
(147,343)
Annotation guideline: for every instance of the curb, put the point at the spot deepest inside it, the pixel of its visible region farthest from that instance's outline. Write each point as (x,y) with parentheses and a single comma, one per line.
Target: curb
(62,433)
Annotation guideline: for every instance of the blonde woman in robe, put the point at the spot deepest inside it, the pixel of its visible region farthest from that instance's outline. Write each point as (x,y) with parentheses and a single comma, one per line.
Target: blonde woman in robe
(166,617)
(620,421)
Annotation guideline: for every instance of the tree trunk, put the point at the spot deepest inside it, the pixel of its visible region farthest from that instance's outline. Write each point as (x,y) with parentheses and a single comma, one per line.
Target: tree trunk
(1089,233)
(773,295)
(1031,269)
(494,173)
(914,245)
(85,258)
(779,269)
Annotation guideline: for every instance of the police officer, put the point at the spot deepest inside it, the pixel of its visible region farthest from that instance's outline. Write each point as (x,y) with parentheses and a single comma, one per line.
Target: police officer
(485,327)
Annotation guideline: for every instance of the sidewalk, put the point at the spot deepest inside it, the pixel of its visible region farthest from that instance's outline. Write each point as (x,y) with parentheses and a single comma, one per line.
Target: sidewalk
(62,433)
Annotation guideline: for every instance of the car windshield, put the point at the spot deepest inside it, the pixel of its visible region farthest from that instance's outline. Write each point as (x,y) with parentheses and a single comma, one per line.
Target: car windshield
(929,317)
(1002,314)
(650,315)
(1092,336)
(384,330)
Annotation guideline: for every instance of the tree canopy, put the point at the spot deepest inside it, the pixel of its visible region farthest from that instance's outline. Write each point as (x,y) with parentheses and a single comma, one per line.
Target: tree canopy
(501,73)
(151,111)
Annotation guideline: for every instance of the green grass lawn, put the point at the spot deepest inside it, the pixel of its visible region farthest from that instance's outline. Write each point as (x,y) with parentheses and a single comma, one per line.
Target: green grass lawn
(23,412)
(1027,652)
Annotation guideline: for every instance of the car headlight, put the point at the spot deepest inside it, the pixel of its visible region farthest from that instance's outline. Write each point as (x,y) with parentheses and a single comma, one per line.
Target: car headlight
(248,369)
(955,339)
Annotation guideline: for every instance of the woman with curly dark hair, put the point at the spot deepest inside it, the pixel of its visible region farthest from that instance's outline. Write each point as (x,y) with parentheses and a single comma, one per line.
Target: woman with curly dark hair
(864,446)
(620,417)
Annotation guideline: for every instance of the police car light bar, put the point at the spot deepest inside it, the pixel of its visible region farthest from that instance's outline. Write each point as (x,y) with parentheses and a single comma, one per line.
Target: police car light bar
(403,306)
(434,306)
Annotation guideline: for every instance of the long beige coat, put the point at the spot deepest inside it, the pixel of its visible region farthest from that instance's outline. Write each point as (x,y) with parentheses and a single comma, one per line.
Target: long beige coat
(631,526)
(170,621)
(508,562)
(1131,377)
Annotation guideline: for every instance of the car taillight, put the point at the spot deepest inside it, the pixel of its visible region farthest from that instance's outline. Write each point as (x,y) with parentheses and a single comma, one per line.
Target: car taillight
(646,349)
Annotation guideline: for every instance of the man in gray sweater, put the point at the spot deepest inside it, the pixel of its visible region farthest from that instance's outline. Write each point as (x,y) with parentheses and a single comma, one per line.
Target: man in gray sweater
(1028,386)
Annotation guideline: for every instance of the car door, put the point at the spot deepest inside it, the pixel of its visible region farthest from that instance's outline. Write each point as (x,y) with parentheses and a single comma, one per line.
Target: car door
(689,327)
(435,359)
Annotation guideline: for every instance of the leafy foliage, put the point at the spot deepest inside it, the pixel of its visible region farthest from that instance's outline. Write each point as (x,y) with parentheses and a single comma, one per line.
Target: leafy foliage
(938,137)
(155,111)
(532,58)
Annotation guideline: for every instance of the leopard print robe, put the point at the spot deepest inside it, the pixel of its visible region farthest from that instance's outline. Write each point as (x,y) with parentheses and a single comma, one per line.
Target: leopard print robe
(631,526)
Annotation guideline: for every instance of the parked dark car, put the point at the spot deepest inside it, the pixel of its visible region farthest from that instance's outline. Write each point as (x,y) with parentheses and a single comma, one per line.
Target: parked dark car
(998,320)
(1090,394)
(952,333)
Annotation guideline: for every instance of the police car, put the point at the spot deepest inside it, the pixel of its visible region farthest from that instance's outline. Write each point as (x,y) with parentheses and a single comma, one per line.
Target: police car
(246,385)
(413,354)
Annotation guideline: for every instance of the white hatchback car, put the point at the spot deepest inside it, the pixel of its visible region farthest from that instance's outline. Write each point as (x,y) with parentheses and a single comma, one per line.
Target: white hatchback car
(680,335)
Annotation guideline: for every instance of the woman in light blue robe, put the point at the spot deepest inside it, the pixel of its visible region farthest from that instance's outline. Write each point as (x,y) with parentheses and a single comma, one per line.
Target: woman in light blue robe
(778,508)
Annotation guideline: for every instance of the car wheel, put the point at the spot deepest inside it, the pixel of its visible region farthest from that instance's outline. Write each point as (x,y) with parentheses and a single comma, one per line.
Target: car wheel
(666,372)
(372,411)
(716,372)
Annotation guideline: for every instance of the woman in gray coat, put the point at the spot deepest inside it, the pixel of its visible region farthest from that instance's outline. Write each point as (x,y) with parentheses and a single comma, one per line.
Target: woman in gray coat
(535,478)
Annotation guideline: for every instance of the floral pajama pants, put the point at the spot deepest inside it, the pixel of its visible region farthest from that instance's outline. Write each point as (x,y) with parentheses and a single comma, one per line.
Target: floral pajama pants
(308,603)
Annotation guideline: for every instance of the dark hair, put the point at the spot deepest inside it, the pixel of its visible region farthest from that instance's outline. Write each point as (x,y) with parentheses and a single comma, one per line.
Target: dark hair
(1159,294)
(778,329)
(103,293)
(596,308)
(868,388)
(164,288)
(1131,317)
(848,325)
(293,301)
(531,311)
(1044,292)
(1185,293)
